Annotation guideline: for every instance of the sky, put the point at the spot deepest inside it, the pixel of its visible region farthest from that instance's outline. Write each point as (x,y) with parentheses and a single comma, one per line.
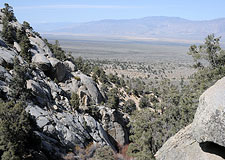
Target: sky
(42,11)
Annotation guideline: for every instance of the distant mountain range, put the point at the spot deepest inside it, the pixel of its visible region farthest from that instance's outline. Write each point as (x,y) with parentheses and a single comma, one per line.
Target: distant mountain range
(152,27)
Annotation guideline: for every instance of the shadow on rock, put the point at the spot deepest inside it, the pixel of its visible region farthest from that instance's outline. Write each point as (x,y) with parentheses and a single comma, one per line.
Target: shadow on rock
(213,148)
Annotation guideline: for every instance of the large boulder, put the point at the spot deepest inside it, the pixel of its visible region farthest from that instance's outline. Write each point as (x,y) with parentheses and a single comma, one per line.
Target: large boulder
(70,66)
(209,120)
(59,69)
(42,62)
(114,124)
(41,91)
(182,146)
(40,46)
(6,57)
(91,86)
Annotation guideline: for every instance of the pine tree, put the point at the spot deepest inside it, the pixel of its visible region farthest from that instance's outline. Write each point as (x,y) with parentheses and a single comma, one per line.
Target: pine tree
(25,44)
(7,32)
(18,89)
(16,130)
(25,47)
(8,11)
(59,53)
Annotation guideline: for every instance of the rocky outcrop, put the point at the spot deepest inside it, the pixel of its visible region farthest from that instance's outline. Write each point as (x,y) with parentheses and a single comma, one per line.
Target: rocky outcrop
(183,146)
(114,123)
(39,46)
(6,57)
(4,74)
(70,66)
(70,128)
(209,121)
(42,62)
(58,69)
(91,86)
(16,24)
(40,91)
(71,85)
(84,86)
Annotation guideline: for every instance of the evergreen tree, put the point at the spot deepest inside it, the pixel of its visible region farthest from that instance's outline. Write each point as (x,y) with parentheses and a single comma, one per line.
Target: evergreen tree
(210,51)
(24,43)
(25,49)
(26,25)
(59,53)
(7,32)
(8,11)
(18,88)
(113,99)
(16,131)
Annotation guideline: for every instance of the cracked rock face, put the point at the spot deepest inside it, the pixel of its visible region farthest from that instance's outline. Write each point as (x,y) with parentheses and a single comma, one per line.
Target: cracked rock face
(209,121)
(70,128)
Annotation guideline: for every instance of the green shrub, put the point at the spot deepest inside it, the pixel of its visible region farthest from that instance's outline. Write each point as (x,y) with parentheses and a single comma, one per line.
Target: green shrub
(75,101)
(129,106)
(99,74)
(77,78)
(144,102)
(113,99)
(104,153)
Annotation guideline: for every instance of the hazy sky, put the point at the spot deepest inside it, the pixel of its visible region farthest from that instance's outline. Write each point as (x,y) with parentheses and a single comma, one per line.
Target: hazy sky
(38,11)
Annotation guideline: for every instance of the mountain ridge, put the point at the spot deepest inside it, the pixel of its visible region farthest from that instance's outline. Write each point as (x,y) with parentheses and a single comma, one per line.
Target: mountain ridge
(152,26)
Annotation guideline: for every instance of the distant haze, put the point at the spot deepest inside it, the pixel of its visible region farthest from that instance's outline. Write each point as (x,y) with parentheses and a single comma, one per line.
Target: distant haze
(149,27)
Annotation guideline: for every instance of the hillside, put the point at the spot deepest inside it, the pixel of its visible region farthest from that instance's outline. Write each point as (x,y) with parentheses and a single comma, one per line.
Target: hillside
(151,27)
(56,107)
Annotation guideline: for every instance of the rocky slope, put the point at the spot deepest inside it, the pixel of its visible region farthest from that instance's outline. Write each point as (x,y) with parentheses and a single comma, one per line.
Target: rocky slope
(204,138)
(70,131)
(61,128)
